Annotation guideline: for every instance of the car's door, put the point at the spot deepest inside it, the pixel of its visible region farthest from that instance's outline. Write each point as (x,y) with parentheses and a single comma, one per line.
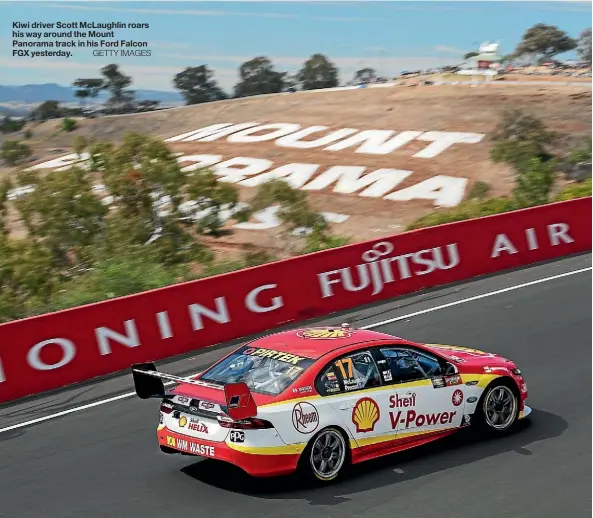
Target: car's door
(357,394)
(426,397)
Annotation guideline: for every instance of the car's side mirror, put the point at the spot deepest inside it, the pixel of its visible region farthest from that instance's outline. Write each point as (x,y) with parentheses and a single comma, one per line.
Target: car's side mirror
(450,369)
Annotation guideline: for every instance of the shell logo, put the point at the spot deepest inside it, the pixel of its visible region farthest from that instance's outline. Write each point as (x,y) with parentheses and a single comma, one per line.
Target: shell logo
(182,421)
(365,415)
(324,333)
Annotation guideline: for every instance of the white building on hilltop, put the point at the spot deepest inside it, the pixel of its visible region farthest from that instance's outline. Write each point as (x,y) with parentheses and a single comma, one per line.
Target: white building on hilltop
(486,62)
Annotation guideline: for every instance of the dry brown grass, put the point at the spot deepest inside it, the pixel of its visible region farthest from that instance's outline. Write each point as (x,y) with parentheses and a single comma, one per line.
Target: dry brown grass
(566,109)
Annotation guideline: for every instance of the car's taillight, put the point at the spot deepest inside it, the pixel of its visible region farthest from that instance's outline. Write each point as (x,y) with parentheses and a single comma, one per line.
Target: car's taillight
(252,423)
(166,408)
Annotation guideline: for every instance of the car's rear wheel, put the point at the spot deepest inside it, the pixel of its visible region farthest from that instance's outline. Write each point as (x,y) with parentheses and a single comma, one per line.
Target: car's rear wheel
(326,456)
(499,408)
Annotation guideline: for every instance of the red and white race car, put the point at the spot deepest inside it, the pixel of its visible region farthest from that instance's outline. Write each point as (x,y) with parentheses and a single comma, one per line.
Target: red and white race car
(322,398)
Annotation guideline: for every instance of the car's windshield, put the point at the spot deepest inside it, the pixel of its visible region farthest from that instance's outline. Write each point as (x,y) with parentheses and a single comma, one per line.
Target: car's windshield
(266,371)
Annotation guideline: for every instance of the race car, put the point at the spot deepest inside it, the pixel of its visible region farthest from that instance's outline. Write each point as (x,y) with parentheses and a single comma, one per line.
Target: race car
(323,398)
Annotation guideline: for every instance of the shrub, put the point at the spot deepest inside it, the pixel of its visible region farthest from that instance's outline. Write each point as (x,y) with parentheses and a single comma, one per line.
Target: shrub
(15,151)
(479,190)
(68,124)
(467,210)
(575,190)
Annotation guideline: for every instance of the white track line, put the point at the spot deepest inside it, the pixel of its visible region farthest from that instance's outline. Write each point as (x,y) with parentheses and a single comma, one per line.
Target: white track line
(370,326)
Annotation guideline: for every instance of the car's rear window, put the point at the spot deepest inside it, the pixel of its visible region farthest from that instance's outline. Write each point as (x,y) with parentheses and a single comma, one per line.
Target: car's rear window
(266,371)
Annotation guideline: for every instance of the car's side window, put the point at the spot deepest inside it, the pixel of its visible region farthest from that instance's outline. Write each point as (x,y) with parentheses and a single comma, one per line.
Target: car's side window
(355,371)
(429,364)
(404,367)
(358,371)
(328,383)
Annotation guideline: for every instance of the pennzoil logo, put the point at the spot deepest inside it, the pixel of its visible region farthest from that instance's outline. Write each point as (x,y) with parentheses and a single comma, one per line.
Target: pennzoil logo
(365,415)
(324,333)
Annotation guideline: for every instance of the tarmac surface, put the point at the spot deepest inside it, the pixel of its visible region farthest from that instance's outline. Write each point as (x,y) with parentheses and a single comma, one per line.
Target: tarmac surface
(103,461)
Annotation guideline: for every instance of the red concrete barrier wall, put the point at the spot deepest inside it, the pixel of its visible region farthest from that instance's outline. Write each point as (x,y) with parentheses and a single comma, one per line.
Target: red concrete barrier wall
(57,349)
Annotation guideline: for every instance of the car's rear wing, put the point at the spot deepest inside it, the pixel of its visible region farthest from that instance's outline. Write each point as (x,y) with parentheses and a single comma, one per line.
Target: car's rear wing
(148,383)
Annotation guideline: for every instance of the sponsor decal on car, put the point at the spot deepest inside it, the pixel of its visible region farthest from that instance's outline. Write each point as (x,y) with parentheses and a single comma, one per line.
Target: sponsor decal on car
(471,383)
(438,382)
(457,397)
(191,447)
(182,421)
(453,380)
(182,399)
(365,415)
(275,355)
(305,418)
(237,436)
(197,426)
(472,399)
(324,333)
(387,376)
(206,405)
(411,417)
(302,390)
(397,401)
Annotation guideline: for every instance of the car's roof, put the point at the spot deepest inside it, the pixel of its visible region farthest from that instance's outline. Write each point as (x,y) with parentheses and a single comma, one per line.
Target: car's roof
(314,342)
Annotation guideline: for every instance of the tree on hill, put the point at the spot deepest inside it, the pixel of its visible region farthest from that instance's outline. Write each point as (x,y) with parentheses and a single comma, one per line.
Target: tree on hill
(365,75)
(584,48)
(318,72)
(259,77)
(471,54)
(197,85)
(544,42)
(116,83)
(47,110)
(88,88)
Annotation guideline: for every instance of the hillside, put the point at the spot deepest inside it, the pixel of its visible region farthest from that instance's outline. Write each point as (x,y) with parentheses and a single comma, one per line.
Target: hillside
(373,208)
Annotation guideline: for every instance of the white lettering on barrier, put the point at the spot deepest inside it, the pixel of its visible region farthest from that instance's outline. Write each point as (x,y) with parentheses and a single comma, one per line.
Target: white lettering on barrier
(502,244)
(164,324)
(2,375)
(221,315)
(34,354)
(376,273)
(251,300)
(557,234)
(445,191)
(104,334)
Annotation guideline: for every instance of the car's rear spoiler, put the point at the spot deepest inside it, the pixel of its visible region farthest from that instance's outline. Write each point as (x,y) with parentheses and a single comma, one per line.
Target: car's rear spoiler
(148,383)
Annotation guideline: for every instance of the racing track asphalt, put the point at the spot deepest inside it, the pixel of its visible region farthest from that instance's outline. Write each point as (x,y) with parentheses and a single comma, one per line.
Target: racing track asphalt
(104,461)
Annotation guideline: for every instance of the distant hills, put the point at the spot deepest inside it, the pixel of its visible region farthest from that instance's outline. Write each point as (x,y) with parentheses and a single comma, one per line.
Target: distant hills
(65,94)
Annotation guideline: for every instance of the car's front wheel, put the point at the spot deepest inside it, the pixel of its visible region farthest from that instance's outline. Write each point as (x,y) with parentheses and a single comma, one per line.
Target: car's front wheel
(499,409)
(326,455)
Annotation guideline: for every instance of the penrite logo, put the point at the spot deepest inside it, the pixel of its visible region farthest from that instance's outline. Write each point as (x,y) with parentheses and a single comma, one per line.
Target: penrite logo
(378,269)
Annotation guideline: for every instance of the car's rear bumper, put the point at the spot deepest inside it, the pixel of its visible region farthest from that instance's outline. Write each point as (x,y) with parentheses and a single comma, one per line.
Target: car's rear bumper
(257,462)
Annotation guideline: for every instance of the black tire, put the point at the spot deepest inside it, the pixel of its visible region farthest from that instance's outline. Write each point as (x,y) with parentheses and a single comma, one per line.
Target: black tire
(493,414)
(320,450)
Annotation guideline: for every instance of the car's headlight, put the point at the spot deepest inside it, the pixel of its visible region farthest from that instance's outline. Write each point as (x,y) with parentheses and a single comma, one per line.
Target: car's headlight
(517,372)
